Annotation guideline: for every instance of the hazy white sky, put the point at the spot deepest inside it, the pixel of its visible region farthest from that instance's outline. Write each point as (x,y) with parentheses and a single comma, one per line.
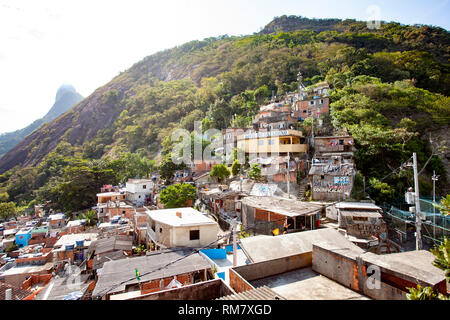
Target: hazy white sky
(47,43)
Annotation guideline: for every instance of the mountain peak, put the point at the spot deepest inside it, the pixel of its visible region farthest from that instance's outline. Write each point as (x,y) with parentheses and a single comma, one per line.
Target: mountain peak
(63,90)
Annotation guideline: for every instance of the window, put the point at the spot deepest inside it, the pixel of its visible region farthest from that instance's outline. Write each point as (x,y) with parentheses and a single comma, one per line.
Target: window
(321,101)
(260,142)
(144,186)
(194,235)
(160,230)
(311,103)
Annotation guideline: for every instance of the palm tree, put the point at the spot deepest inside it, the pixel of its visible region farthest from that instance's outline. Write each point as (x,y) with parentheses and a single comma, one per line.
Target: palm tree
(90,217)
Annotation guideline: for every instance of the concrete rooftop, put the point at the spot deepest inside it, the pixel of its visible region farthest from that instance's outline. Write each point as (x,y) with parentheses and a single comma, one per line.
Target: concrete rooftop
(305,284)
(263,248)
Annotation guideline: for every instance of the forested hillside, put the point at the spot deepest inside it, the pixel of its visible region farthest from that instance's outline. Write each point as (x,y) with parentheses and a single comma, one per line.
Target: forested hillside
(390,90)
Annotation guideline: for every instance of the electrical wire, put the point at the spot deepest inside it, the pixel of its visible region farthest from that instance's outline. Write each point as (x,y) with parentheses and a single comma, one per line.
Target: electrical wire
(195,251)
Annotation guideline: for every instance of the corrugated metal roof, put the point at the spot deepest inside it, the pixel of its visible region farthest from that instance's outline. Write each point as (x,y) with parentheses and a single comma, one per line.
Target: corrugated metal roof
(360,213)
(286,207)
(115,275)
(262,293)
(114,243)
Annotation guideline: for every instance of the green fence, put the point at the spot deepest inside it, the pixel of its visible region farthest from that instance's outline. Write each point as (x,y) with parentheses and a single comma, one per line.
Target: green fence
(434,228)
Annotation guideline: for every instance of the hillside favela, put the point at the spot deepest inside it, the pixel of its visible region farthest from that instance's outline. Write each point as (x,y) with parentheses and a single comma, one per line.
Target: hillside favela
(305,159)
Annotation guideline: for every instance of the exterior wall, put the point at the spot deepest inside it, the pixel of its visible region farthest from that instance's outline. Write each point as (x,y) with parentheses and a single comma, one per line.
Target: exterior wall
(22,239)
(208,234)
(57,223)
(139,198)
(238,283)
(352,273)
(36,238)
(208,290)
(36,260)
(16,280)
(140,187)
(341,269)
(304,109)
(179,236)
(334,144)
(161,284)
(262,145)
(105,199)
(240,277)
(255,217)
(123,212)
(35,279)
(75,229)
(327,190)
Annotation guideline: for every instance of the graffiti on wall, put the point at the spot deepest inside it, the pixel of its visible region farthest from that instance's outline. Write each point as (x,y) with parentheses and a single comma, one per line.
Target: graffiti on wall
(367,230)
(335,184)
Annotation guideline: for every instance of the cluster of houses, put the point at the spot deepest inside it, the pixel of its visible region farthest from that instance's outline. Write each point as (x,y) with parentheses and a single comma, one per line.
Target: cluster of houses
(239,240)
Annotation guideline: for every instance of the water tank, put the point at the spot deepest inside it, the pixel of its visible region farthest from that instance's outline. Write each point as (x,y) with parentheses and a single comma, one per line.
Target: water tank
(80,243)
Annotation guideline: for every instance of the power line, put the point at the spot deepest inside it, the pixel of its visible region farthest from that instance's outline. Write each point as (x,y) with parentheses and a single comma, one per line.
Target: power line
(164,266)
(224,236)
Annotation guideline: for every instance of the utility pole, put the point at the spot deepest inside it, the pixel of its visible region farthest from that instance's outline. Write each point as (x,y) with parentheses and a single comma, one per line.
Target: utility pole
(234,222)
(312,143)
(417,202)
(434,178)
(289,176)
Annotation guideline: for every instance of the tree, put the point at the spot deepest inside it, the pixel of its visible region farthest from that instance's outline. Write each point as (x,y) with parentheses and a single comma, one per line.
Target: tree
(255,172)
(442,254)
(175,196)
(442,261)
(167,167)
(444,205)
(220,172)
(381,191)
(427,293)
(4,196)
(7,210)
(235,168)
(90,217)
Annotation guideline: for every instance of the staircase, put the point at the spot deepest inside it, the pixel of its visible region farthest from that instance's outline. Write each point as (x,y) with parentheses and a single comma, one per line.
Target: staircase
(302,190)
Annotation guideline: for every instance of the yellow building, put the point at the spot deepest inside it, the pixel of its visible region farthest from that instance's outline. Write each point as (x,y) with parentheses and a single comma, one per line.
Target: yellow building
(273,142)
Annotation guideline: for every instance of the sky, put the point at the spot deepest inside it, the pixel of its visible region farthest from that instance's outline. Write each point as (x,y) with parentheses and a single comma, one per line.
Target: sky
(47,43)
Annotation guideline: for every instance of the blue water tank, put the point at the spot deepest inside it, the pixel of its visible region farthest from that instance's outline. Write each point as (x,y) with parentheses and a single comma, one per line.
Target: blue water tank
(79,243)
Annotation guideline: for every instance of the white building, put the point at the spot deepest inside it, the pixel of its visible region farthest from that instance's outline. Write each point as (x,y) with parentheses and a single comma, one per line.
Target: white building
(181,227)
(139,191)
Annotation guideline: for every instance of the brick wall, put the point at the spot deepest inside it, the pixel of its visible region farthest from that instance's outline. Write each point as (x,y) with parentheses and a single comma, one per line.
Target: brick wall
(238,283)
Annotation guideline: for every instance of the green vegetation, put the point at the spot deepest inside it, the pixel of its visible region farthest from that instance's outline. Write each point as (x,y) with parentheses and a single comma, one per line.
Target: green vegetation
(255,172)
(444,205)
(90,217)
(235,168)
(427,293)
(442,254)
(390,89)
(442,261)
(220,172)
(176,196)
(7,210)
